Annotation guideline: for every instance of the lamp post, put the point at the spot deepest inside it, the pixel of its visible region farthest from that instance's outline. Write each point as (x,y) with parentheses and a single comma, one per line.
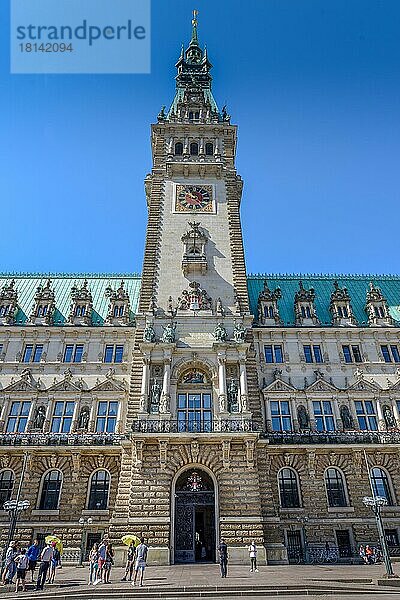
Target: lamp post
(84,523)
(14,509)
(376,503)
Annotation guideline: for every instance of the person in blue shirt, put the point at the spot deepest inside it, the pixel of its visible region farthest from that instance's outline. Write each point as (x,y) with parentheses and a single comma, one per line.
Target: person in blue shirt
(33,554)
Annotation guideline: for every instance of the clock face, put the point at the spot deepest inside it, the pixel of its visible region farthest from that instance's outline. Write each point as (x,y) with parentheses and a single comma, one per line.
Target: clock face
(194,198)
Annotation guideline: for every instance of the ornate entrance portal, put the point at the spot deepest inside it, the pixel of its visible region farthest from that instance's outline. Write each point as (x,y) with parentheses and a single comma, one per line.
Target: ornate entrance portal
(194,517)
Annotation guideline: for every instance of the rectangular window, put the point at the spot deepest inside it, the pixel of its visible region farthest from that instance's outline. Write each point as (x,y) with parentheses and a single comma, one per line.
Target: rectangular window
(18,417)
(323,414)
(390,353)
(37,354)
(194,413)
(395,353)
(106,417)
(119,352)
(32,353)
(73,353)
(27,353)
(366,415)
(312,353)
(62,417)
(352,354)
(280,415)
(386,354)
(273,353)
(113,353)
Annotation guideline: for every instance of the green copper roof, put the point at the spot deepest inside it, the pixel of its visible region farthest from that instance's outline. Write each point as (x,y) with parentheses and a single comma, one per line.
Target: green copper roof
(357,286)
(26,284)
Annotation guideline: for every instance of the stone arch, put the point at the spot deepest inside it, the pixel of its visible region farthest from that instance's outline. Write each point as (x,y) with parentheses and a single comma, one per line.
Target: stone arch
(183,364)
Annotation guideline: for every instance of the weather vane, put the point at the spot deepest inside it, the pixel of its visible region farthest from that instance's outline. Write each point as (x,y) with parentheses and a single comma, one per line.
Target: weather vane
(194,20)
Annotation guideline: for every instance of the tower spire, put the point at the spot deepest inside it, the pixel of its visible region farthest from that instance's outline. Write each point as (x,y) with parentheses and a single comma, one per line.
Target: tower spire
(194,41)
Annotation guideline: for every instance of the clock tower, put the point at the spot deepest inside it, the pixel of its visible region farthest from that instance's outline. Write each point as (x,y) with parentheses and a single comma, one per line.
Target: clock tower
(194,394)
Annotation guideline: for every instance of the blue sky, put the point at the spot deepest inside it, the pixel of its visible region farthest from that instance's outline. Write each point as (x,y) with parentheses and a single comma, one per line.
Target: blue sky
(314,87)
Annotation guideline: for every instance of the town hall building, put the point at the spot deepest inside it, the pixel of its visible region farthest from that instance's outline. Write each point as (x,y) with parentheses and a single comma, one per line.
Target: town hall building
(196,402)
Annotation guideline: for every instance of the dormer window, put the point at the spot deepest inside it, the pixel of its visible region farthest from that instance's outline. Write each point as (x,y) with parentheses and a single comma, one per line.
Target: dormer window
(268,311)
(44,305)
(209,149)
(82,305)
(194,115)
(377,307)
(119,306)
(304,308)
(178,149)
(194,149)
(340,307)
(8,303)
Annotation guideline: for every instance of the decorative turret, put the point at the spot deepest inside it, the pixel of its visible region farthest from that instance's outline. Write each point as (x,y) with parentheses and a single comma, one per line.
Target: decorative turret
(119,306)
(268,311)
(377,307)
(44,305)
(304,308)
(81,306)
(8,303)
(340,307)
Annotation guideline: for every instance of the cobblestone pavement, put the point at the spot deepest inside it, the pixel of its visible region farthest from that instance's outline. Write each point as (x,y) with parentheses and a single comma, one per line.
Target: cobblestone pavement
(303,581)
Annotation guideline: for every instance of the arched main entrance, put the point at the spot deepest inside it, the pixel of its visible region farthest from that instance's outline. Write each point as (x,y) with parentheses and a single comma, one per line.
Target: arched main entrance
(194,517)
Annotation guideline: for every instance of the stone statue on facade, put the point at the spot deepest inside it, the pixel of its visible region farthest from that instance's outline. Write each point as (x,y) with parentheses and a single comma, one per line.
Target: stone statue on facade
(232,393)
(302,417)
(155,393)
(388,416)
(149,335)
(168,336)
(346,417)
(164,404)
(39,418)
(83,422)
(220,333)
(239,333)
(219,308)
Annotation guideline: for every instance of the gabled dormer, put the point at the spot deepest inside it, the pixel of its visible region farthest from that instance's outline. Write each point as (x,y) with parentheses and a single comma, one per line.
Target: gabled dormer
(194,250)
(119,306)
(81,306)
(44,305)
(268,311)
(340,307)
(304,308)
(8,303)
(377,307)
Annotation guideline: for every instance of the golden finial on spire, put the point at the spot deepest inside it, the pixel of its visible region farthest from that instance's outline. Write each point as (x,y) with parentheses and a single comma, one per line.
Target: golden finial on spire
(194,20)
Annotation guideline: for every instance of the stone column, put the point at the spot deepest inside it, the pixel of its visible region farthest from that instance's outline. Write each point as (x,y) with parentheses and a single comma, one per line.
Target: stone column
(93,414)
(353,414)
(268,416)
(336,414)
(222,382)
(293,411)
(379,414)
(4,412)
(144,391)
(165,395)
(244,395)
(75,416)
(311,414)
(395,412)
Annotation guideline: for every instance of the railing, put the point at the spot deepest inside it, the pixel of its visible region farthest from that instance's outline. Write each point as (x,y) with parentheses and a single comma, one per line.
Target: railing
(60,439)
(220,426)
(348,437)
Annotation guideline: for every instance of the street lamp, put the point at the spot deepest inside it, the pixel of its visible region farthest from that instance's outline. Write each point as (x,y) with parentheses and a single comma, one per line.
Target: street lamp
(14,509)
(376,503)
(84,523)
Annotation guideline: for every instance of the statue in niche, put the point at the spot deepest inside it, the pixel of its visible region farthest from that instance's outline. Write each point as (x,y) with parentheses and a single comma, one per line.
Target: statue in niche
(83,422)
(219,307)
(155,393)
(40,417)
(164,404)
(239,333)
(390,421)
(232,392)
(346,417)
(149,335)
(168,336)
(302,417)
(220,333)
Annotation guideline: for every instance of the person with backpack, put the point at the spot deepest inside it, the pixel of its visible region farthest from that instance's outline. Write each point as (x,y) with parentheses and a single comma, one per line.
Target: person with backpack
(55,561)
(130,562)
(22,564)
(141,561)
(223,558)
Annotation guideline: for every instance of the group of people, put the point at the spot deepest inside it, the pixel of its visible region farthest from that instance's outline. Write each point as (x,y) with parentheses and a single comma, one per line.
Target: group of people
(101,560)
(370,555)
(224,556)
(19,561)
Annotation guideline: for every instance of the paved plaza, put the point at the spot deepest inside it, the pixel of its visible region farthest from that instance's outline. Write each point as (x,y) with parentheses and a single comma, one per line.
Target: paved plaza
(194,581)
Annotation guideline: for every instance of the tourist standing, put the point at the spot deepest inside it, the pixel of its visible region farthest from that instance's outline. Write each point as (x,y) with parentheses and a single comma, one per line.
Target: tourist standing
(9,564)
(55,561)
(130,562)
(45,556)
(141,561)
(93,564)
(33,555)
(223,558)
(102,558)
(253,557)
(22,563)
(369,553)
(108,563)
(362,554)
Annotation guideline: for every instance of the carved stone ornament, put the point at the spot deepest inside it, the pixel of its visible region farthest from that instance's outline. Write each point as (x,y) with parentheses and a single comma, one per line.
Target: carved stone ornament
(220,333)
(302,417)
(168,336)
(83,421)
(347,419)
(8,303)
(377,307)
(226,451)
(304,308)
(195,298)
(232,393)
(250,454)
(44,305)
(239,333)
(155,395)
(149,335)
(119,306)
(39,418)
(267,305)
(163,448)
(340,306)
(81,306)
(194,254)
(195,451)
(388,416)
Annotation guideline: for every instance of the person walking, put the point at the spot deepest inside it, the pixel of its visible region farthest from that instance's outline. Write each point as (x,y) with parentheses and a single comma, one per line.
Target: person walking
(141,561)
(369,553)
(55,561)
(9,563)
(22,563)
(223,558)
(45,556)
(109,563)
(362,554)
(130,562)
(93,564)
(102,559)
(33,555)
(253,557)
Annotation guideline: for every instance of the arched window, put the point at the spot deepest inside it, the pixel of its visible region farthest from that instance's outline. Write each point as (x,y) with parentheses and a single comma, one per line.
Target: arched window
(6,486)
(194,148)
(51,488)
(99,490)
(121,311)
(178,149)
(288,489)
(209,149)
(335,487)
(381,485)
